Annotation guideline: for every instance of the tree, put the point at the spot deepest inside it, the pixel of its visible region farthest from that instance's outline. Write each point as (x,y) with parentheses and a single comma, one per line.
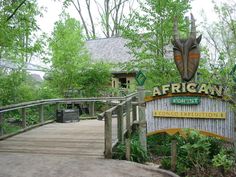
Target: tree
(69,54)
(110,15)
(221,45)
(149,32)
(95,79)
(17,44)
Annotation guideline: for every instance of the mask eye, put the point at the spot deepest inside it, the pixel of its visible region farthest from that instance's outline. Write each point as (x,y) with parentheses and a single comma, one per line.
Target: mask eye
(194,46)
(175,48)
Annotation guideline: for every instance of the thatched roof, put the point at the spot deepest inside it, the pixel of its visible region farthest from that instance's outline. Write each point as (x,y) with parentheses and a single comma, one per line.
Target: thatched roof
(114,50)
(110,50)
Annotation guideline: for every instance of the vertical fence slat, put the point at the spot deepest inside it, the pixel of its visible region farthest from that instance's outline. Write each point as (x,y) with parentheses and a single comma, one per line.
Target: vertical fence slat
(91,108)
(1,124)
(142,118)
(41,115)
(128,128)
(120,127)
(134,112)
(108,134)
(23,114)
(235,133)
(173,154)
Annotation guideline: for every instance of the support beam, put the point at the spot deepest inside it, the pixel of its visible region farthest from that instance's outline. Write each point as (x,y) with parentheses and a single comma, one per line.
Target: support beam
(173,155)
(1,124)
(108,135)
(235,134)
(120,124)
(134,112)
(23,115)
(91,109)
(128,128)
(41,113)
(142,119)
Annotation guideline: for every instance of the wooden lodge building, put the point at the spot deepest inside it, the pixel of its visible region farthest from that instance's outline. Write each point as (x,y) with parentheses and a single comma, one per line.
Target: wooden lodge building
(113,50)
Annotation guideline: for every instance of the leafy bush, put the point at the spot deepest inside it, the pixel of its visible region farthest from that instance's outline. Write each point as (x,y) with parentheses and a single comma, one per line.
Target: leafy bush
(194,152)
(138,153)
(223,160)
(166,163)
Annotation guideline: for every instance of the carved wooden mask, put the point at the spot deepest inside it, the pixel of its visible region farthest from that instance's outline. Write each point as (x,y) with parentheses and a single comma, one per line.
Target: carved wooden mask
(186,52)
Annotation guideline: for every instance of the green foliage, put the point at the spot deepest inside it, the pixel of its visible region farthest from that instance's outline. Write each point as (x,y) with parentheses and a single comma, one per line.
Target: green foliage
(159,144)
(95,79)
(149,31)
(71,65)
(69,55)
(221,47)
(194,152)
(166,163)
(197,151)
(17,86)
(138,154)
(223,160)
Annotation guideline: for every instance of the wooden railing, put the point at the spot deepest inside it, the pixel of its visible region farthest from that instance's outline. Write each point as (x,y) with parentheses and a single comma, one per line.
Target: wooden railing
(40,105)
(118,125)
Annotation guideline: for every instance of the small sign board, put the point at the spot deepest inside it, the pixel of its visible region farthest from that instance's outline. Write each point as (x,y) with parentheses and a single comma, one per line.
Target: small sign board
(196,115)
(140,78)
(184,100)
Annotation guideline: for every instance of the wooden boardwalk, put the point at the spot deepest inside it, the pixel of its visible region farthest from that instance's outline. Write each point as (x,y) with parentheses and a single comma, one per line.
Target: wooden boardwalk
(84,138)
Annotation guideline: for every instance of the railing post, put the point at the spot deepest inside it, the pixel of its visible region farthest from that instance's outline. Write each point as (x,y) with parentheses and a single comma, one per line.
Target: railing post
(108,135)
(91,108)
(41,116)
(142,119)
(173,154)
(120,123)
(134,110)
(235,134)
(128,128)
(23,114)
(1,124)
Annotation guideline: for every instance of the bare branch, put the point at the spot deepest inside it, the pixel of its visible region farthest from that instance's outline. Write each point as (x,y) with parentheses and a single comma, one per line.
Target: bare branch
(91,18)
(78,8)
(14,12)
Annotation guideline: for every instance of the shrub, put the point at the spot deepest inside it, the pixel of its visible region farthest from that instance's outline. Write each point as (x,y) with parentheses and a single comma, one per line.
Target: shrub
(223,161)
(138,153)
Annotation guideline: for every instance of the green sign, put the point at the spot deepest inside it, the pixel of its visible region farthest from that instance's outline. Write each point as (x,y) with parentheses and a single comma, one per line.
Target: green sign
(140,78)
(185,100)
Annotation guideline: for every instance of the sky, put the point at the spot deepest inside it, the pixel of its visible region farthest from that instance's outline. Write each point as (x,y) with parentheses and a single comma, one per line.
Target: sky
(54,8)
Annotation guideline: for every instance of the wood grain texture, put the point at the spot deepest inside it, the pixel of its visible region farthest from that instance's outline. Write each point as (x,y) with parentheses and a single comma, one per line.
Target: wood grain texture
(223,127)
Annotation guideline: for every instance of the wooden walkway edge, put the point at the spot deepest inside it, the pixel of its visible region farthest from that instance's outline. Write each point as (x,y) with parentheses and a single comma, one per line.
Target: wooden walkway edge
(84,138)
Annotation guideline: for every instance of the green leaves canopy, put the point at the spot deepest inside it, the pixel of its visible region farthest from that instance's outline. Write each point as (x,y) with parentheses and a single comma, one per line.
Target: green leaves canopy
(149,31)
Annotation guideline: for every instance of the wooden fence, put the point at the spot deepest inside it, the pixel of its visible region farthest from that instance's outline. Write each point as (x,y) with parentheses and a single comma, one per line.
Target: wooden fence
(40,107)
(118,125)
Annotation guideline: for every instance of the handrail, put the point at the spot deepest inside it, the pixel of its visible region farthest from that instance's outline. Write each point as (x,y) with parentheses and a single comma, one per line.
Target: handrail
(123,131)
(61,100)
(41,103)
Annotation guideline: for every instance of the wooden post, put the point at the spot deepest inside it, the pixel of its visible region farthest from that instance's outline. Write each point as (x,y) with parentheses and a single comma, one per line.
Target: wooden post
(128,128)
(23,114)
(142,119)
(173,154)
(91,108)
(41,116)
(108,135)
(134,112)
(235,134)
(120,123)
(1,124)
